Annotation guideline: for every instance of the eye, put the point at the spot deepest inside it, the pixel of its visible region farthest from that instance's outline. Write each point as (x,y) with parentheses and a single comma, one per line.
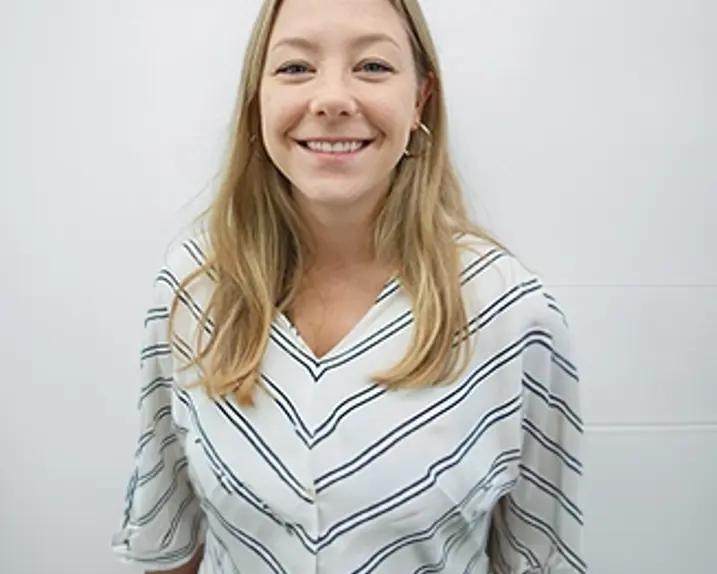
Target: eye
(293,69)
(375,67)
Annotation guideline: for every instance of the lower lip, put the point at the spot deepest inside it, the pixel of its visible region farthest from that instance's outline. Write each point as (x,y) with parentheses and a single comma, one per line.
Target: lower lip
(335,155)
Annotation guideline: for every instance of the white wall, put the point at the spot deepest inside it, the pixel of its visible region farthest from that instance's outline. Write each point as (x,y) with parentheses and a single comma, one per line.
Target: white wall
(587,132)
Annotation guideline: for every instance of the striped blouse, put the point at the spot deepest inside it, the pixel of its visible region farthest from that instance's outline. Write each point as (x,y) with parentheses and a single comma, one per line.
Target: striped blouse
(331,474)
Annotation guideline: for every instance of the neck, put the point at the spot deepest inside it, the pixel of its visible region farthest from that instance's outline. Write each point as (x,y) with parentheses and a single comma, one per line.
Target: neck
(341,233)
(341,241)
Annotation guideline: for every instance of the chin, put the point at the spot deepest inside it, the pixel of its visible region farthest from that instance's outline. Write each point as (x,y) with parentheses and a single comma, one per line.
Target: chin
(336,191)
(333,196)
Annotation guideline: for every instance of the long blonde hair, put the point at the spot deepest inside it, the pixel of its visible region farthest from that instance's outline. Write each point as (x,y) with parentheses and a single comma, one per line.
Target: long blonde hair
(259,247)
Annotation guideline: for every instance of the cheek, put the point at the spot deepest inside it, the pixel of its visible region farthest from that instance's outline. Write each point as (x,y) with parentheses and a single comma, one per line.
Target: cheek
(393,115)
(277,115)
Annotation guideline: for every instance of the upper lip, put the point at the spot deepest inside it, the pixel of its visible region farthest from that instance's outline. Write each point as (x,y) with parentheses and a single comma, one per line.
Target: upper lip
(333,139)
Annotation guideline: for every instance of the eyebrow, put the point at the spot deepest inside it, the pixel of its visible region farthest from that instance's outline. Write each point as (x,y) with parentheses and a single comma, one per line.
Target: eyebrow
(360,41)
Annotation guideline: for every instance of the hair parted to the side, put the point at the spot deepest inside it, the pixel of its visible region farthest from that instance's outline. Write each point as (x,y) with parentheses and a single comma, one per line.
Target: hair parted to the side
(259,248)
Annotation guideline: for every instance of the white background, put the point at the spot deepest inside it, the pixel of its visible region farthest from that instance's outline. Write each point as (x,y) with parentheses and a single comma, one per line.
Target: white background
(585,131)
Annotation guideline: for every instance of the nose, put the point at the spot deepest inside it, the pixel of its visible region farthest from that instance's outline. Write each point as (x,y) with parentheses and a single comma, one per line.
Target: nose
(333,97)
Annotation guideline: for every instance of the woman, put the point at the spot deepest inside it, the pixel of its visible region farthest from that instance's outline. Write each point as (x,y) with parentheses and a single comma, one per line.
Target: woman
(343,374)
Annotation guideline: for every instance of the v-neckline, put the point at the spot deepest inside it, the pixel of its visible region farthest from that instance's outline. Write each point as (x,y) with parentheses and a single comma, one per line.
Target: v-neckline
(350,338)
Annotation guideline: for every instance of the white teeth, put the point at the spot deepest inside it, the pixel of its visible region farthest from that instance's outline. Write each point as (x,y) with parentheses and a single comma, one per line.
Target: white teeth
(334,147)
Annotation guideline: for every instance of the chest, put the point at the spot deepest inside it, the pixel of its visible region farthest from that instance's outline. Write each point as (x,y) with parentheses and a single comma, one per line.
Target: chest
(321,460)
(324,316)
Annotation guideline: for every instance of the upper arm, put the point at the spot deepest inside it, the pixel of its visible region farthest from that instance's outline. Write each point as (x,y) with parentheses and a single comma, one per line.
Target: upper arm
(538,526)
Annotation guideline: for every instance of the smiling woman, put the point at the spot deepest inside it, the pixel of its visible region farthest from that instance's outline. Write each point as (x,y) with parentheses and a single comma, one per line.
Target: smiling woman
(343,373)
(351,93)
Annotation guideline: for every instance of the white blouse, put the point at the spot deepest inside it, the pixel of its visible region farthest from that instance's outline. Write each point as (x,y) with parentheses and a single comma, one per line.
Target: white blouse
(330,474)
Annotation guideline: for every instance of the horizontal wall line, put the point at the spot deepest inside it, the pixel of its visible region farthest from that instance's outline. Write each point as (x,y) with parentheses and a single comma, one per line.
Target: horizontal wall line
(632,285)
(651,427)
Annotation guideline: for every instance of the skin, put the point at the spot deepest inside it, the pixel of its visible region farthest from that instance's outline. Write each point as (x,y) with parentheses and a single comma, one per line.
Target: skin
(339,70)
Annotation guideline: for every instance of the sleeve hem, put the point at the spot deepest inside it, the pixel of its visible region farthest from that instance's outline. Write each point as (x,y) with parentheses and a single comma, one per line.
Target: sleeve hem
(169,559)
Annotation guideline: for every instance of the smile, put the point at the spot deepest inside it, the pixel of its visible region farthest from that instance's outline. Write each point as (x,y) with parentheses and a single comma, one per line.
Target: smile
(335,147)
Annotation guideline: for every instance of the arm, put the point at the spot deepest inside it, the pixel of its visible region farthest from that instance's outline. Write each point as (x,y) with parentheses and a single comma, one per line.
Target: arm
(537,527)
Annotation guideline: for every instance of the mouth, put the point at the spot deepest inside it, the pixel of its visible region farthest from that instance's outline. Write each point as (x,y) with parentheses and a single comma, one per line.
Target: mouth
(335,147)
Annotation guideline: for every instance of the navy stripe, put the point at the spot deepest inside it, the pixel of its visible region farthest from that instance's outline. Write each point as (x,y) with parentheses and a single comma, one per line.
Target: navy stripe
(278,337)
(428,480)
(237,419)
(146,437)
(159,466)
(287,407)
(156,314)
(549,532)
(180,554)
(197,254)
(179,465)
(176,521)
(499,307)
(246,539)
(547,443)
(345,408)
(422,418)
(553,401)
(229,481)
(515,544)
(155,384)
(553,491)
(155,350)
(500,464)
(168,278)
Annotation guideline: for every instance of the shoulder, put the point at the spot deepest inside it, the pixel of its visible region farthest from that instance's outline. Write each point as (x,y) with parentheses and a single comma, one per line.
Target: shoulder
(184,259)
(497,284)
(187,254)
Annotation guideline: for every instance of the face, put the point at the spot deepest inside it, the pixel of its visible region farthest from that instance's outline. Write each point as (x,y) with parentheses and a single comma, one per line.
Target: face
(339,98)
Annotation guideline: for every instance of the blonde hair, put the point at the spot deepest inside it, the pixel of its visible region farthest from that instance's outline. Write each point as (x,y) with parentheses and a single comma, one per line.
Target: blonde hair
(259,247)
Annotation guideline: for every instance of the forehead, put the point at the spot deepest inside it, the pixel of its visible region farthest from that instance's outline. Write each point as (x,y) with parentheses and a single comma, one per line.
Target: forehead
(338,18)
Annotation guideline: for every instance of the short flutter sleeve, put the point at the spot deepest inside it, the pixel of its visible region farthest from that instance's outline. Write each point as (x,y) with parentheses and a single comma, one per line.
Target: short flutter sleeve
(163,524)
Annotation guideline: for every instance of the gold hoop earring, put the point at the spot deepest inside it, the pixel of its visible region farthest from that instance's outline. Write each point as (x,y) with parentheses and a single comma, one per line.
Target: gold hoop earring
(428,137)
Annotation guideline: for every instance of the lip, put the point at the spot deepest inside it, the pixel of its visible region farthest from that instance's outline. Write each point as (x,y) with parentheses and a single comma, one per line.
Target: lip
(333,139)
(302,143)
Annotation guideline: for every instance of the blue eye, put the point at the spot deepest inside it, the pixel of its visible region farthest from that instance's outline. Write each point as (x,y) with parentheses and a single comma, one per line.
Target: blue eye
(375,67)
(293,69)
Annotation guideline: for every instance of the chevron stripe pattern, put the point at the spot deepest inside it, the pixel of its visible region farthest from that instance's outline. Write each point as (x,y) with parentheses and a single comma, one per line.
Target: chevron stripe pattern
(330,474)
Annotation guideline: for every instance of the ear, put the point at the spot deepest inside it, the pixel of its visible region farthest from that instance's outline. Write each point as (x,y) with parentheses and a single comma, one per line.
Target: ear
(425,91)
